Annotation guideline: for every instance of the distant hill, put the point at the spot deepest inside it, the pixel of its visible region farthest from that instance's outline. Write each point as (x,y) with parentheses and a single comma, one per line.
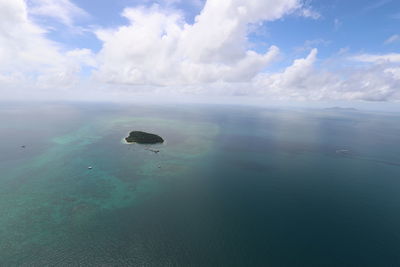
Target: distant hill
(340,109)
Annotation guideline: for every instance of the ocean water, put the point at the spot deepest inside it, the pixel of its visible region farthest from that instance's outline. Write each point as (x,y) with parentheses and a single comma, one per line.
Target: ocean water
(231,186)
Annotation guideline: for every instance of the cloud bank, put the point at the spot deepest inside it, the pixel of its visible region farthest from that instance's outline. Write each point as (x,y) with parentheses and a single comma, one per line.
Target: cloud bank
(157,50)
(160,48)
(28,59)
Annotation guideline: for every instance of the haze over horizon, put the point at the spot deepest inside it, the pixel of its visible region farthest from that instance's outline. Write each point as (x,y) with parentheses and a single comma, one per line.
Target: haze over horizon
(262,51)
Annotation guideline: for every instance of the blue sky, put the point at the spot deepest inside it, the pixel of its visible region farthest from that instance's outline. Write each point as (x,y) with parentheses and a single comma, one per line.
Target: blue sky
(304,50)
(358,25)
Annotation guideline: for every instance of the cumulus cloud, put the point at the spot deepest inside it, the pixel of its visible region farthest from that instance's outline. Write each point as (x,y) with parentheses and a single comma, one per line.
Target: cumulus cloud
(162,49)
(304,80)
(158,51)
(27,56)
(297,81)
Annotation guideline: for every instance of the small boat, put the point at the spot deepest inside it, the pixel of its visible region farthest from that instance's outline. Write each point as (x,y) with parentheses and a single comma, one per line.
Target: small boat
(153,150)
(90,167)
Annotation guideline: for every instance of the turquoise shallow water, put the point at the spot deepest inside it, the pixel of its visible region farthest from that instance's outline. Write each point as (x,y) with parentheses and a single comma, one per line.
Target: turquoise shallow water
(231,186)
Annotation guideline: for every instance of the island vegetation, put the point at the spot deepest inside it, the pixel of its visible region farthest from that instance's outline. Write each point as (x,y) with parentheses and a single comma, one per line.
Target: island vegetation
(144,138)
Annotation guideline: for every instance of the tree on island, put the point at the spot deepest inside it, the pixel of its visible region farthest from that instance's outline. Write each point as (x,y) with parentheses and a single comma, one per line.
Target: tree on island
(144,138)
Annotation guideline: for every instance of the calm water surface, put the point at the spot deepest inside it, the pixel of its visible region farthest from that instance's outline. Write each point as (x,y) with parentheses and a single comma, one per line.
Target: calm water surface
(231,186)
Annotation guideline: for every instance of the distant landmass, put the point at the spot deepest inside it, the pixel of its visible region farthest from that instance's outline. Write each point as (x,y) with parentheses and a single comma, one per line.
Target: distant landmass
(144,138)
(341,109)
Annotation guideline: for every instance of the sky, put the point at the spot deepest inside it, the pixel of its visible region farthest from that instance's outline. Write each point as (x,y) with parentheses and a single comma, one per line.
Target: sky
(266,50)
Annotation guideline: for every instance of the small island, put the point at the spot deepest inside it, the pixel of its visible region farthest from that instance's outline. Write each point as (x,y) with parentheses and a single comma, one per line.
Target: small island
(143,138)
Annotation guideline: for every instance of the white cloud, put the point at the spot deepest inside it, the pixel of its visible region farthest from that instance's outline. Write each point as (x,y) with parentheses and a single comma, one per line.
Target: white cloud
(63,11)
(309,13)
(296,81)
(158,52)
(27,56)
(392,39)
(160,48)
(303,80)
(376,5)
(310,44)
(372,58)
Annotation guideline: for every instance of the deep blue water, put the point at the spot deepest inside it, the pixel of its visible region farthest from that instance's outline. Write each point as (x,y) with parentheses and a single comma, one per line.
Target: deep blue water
(232,186)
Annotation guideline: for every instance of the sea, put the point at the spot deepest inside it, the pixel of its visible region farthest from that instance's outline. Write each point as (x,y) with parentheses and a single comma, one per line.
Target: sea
(230,186)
